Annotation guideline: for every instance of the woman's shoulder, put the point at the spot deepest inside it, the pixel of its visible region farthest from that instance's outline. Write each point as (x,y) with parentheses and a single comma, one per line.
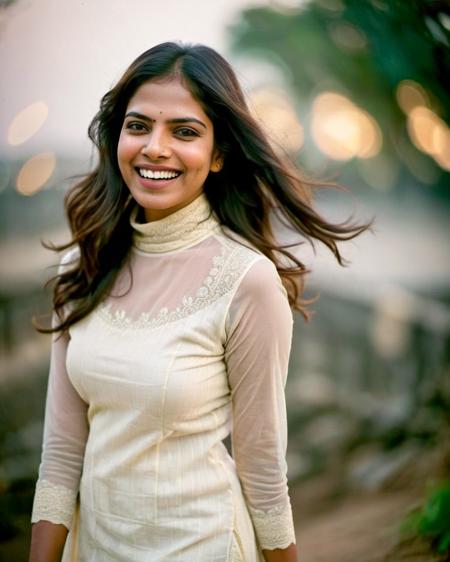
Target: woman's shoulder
(257,270)
(239,243)
(68,258)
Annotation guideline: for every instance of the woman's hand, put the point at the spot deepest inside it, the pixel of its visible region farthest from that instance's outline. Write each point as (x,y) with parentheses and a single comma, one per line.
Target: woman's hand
(47,542)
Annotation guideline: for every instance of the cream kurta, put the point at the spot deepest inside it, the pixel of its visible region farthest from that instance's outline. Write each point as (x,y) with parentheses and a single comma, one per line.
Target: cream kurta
(143,391)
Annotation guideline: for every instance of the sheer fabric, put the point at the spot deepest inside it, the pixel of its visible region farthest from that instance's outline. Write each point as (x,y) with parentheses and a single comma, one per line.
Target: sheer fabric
(192,344)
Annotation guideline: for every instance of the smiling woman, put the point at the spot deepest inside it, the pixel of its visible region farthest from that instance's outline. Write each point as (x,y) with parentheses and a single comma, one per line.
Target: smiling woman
(173,324)
(166,147)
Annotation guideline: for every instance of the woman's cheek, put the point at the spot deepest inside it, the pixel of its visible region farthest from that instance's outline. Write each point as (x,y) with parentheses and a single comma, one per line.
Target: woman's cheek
(127,146)
(198,156)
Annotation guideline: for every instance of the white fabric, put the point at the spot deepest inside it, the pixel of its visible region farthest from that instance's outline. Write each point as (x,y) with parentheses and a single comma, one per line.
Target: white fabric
(143,391)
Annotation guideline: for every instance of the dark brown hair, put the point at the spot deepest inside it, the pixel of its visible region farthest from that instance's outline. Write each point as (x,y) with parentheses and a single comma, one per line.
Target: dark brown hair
(99,206)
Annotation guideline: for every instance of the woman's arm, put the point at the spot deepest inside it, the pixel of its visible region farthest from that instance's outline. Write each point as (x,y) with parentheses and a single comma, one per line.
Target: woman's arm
(65,436)
(47,542)
(288,554)
(259,333)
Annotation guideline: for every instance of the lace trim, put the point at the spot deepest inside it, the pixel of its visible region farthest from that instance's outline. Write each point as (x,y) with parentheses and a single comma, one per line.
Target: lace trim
(274,528)
(54,503)
(225,271)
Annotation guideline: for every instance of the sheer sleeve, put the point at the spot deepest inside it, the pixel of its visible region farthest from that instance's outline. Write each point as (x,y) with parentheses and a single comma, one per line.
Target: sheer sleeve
(65,434)
(259,333)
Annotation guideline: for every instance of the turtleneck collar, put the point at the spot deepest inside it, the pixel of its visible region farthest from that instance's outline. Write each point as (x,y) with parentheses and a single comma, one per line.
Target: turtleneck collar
(181,229)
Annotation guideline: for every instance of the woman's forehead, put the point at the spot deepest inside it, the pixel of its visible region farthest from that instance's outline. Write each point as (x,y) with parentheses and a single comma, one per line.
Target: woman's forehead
(165,96)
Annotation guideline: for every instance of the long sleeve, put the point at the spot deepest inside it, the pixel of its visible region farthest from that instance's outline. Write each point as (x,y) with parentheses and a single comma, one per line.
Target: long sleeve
(65,435)
(259,333)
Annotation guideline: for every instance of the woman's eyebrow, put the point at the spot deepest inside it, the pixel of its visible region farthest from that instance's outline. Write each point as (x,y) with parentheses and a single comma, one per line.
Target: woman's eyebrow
(175,120)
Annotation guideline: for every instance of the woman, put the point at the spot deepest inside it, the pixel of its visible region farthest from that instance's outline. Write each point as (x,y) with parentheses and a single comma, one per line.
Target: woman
(174,329)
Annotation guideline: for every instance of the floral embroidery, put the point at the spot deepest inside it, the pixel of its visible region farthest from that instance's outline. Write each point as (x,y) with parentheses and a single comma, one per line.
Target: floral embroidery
(274,528)
(226,270)
(54,503)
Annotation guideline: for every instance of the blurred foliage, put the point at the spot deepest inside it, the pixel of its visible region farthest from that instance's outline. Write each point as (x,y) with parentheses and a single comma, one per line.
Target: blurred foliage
(361,49)
(15,500)
(433,520)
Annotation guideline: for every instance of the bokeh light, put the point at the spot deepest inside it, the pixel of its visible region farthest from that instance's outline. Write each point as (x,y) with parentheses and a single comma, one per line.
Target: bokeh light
(27,123)
(348,37)
(422,123)
(410,94)
(342,130)
(430,134)
(35,173)
(275,112)
(441,144)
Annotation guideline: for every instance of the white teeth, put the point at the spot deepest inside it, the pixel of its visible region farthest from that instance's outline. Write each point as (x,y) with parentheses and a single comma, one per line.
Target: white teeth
(157,175)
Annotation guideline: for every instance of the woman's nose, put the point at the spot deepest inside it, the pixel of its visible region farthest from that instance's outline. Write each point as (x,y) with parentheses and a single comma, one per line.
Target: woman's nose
(157,146)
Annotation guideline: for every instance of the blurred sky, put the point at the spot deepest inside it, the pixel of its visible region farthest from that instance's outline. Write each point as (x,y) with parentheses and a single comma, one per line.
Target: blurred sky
(68,53)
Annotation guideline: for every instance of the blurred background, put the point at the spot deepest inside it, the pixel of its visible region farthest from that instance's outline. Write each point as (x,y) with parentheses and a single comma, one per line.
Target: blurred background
(357,91)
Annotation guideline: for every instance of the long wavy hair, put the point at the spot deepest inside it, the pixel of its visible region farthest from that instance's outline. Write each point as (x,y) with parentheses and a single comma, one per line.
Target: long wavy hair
(253,184)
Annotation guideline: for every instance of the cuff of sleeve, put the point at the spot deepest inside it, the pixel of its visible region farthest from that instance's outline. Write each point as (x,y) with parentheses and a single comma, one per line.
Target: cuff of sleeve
(274,528)
(54,503)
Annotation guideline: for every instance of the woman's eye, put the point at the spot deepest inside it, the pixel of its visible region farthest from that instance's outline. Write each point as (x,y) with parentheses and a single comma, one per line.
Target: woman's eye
(186,132)
(135,126)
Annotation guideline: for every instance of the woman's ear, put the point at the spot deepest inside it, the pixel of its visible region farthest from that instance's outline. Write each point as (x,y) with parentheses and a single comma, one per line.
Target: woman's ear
(217,161)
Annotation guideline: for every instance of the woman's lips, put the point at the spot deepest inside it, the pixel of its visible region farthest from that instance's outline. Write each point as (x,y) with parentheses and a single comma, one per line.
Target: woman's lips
(157,173)
(154,179)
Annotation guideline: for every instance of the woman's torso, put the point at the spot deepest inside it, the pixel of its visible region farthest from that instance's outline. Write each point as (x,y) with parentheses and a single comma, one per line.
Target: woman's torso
(157,478)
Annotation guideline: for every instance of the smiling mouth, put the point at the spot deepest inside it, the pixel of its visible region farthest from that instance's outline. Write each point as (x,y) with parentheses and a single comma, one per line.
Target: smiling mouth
(157,174)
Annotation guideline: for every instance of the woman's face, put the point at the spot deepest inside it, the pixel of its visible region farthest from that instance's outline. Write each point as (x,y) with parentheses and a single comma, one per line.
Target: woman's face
(166,147)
